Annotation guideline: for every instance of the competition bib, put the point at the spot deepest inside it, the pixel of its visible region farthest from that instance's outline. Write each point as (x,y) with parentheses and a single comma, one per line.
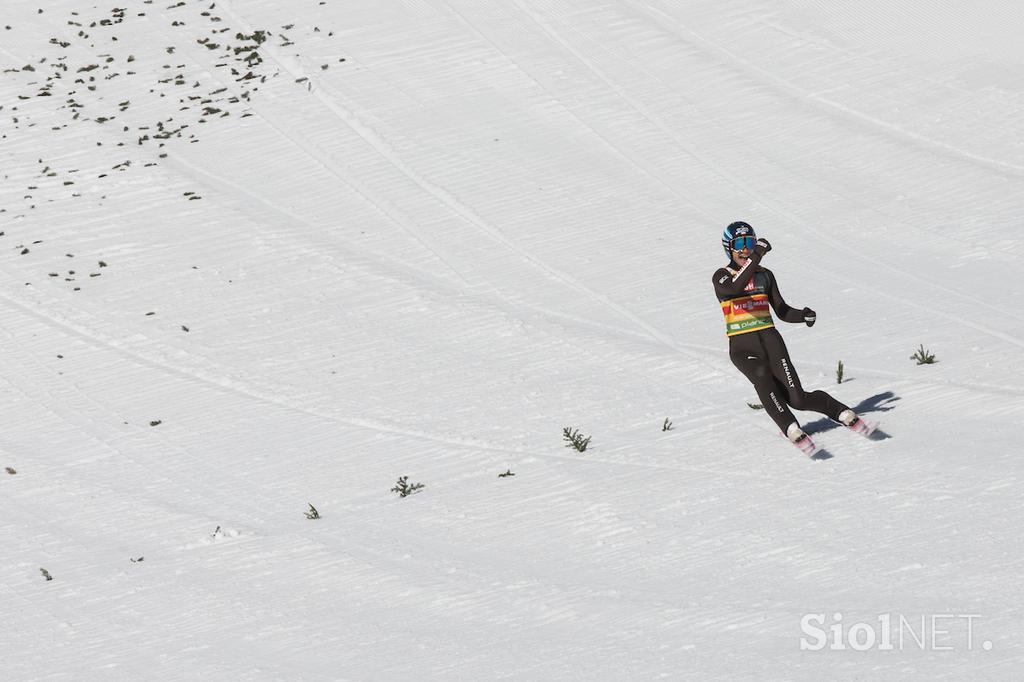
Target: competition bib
(748,313)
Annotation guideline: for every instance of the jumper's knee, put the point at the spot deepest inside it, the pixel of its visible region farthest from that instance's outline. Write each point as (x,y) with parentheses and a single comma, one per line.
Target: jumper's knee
(798,400)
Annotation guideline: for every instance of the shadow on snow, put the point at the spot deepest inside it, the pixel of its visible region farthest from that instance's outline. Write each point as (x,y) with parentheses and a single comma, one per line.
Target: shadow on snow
(883,402)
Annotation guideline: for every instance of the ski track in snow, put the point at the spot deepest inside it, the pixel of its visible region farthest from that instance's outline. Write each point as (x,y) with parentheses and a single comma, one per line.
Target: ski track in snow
(834,108)
(457,208)
(490,223)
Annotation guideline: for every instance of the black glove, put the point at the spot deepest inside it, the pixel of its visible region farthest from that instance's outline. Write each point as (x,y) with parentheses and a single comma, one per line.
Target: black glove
(762,246)
(810,317)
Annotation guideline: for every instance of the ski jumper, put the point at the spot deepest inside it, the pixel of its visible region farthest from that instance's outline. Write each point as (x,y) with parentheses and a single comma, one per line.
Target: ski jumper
(748,295)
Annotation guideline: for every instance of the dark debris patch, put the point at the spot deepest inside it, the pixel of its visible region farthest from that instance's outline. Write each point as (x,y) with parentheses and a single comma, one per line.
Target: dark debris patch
(239,60)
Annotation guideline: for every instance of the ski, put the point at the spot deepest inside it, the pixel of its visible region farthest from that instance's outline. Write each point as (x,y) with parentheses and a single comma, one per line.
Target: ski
(807,446)
(867,429)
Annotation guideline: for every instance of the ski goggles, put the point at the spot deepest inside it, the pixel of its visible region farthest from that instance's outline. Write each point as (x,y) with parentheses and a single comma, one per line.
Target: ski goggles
(740,243)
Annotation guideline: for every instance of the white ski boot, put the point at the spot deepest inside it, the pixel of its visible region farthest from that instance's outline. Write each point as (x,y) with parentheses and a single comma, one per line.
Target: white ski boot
(853,421)
(800,439)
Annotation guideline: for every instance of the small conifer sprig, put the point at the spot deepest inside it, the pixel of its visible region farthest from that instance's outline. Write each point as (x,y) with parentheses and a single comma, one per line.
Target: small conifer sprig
(923,356)
(404,488)
(575,439)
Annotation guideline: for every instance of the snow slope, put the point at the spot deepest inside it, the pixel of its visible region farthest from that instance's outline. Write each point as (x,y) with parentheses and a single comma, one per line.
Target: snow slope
(420,239)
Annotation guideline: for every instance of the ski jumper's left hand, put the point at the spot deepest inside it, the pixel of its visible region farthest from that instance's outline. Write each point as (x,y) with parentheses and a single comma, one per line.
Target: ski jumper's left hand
(810,317)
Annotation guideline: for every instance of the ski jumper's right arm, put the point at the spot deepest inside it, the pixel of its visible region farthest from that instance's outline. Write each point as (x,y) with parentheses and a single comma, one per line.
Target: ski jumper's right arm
(729,285)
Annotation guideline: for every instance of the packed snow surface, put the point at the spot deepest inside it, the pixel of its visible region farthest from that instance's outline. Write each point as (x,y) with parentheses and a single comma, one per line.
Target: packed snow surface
(262,258)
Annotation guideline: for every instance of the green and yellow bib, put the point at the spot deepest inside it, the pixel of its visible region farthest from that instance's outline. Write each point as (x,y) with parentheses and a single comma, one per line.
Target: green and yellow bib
(751,312)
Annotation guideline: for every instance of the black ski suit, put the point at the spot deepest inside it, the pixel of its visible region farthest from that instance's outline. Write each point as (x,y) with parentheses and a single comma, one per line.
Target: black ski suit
(757,348)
